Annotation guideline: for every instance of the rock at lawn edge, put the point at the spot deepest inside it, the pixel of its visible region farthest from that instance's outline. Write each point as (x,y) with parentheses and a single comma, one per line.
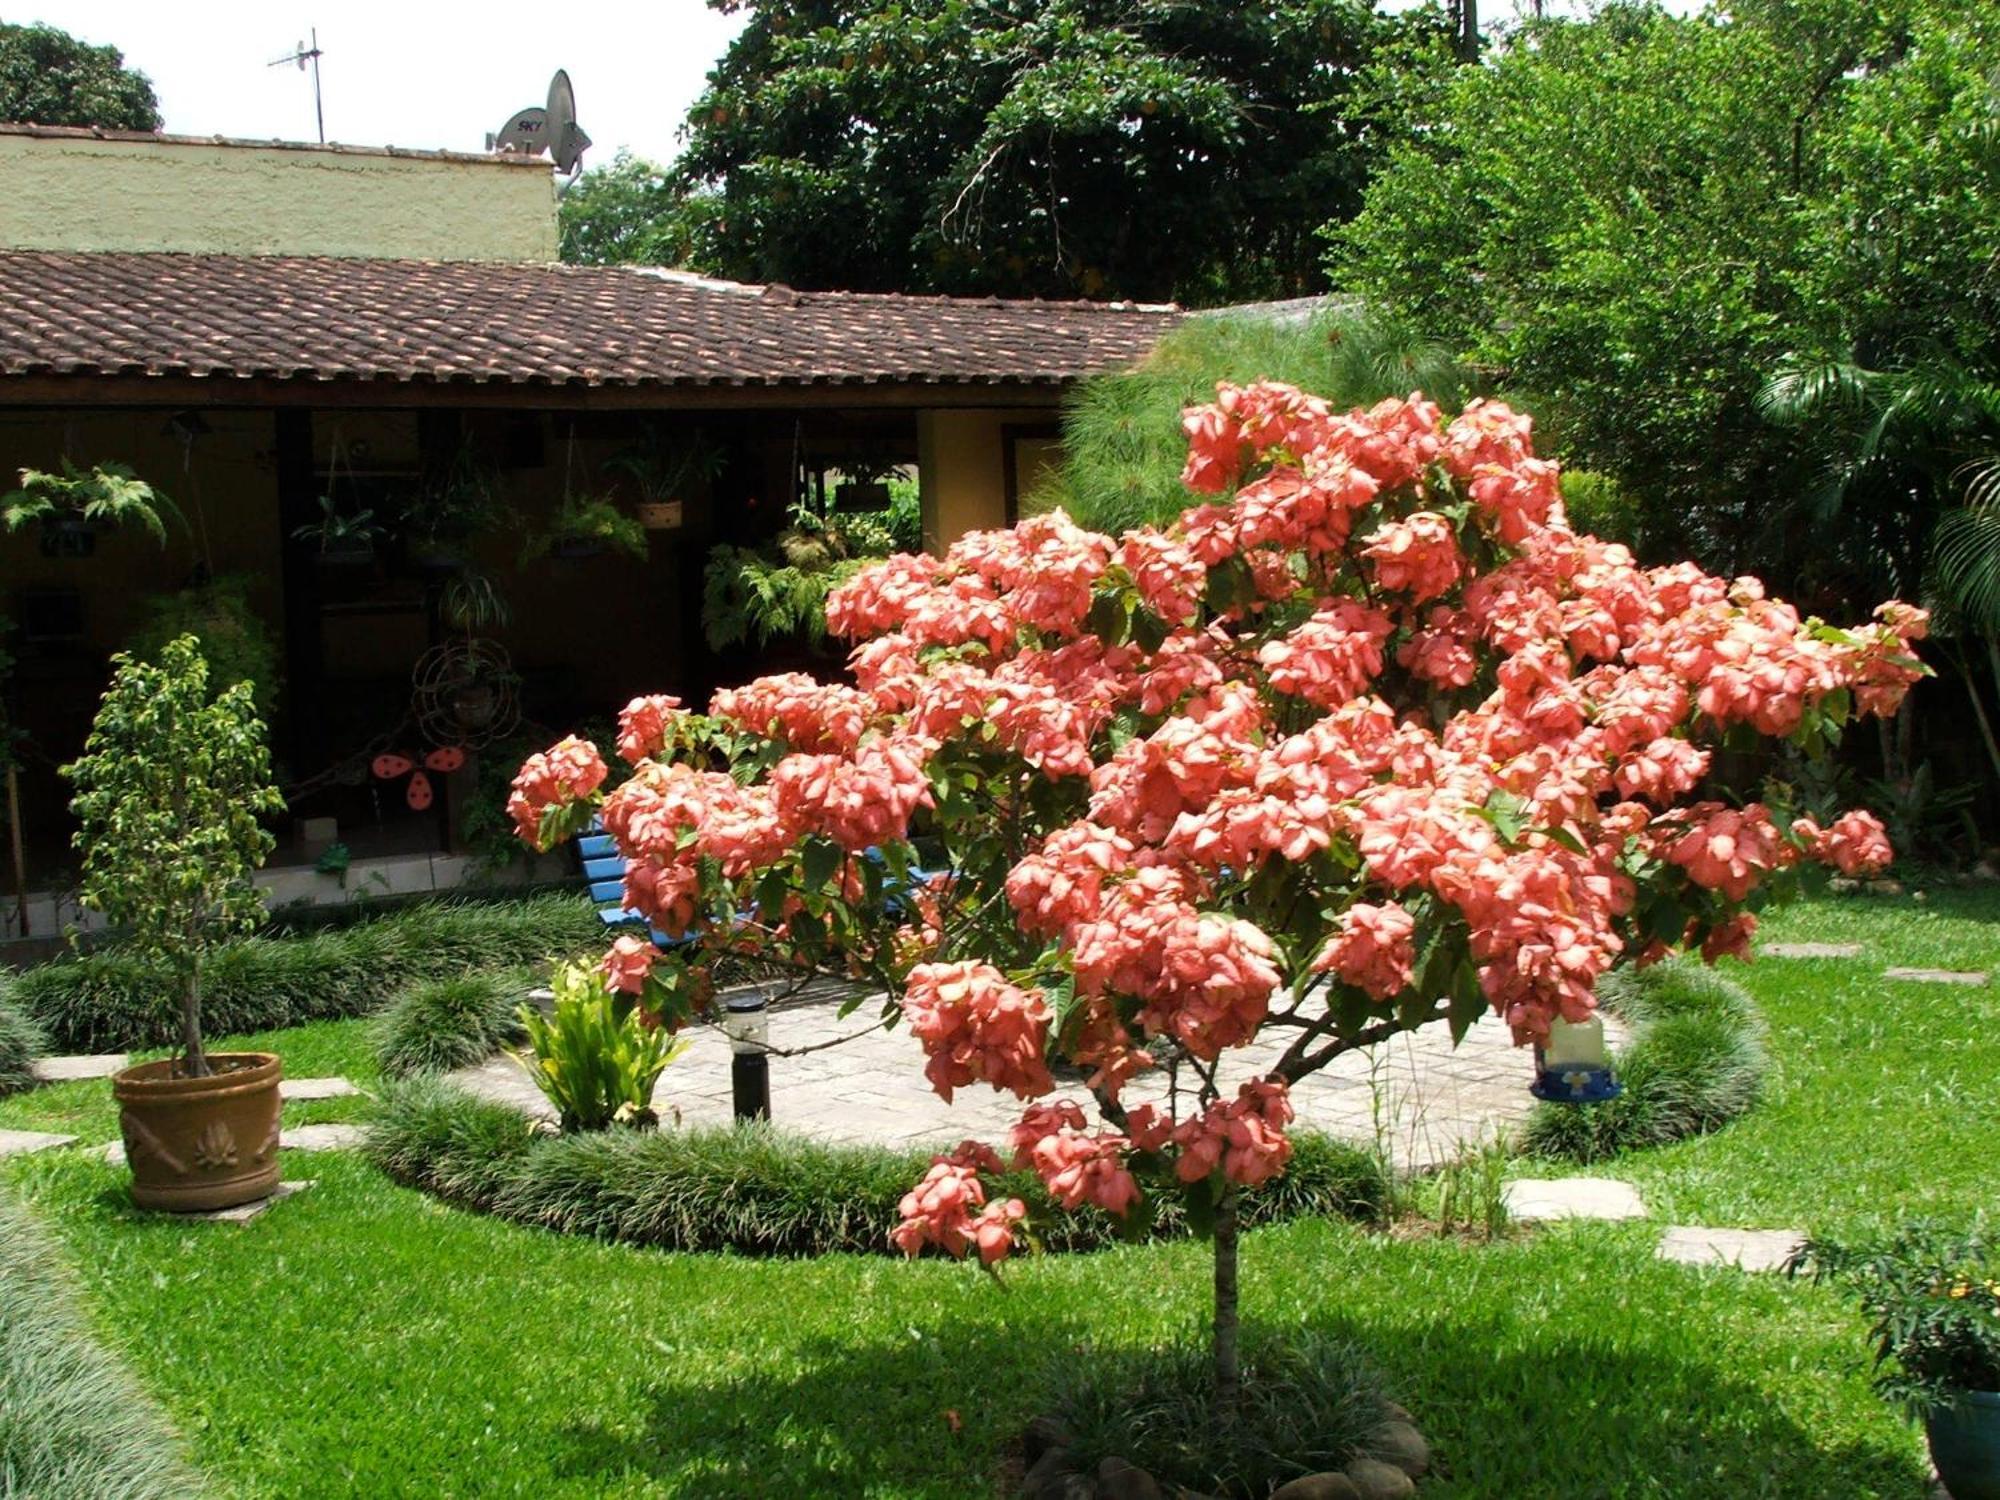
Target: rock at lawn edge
(1401,1444)
(1375,1480)
(1327,1486)
(1119,1480)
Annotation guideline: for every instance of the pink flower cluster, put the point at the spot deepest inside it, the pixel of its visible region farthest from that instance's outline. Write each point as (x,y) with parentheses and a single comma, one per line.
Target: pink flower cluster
(975,1027)
(1077,1165)
(1373,950)
(1244,1139)
(949,1209)
(567,771)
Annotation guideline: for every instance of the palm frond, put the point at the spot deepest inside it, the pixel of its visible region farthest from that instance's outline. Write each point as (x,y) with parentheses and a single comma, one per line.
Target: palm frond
(1965,565)
(1802,389)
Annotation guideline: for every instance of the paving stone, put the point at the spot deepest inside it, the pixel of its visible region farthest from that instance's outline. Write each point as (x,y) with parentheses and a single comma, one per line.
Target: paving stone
(315,1088)
(21,1142)
(243,1213)
(322,1137)
(70,1069)
(114,1154)
(1937,976)
(1533,1198)
(1746,1249)
(1810,950)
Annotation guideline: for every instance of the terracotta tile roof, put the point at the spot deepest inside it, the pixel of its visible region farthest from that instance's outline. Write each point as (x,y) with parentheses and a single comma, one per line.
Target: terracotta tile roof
(331,148)
(221,316)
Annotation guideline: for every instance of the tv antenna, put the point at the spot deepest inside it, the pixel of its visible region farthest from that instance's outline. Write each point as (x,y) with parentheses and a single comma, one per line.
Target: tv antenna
(302,54)
(551,128)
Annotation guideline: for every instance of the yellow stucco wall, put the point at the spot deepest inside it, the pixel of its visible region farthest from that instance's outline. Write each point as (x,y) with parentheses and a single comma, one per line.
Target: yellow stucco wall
(961,472)
(73,193)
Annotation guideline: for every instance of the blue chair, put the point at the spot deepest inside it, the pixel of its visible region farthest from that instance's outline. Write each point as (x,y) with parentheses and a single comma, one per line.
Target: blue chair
(604,869)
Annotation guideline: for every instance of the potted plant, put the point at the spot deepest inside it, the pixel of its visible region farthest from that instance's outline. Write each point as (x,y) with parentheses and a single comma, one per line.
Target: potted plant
(170,791)
(588,526)
(341,541)
(450,505)
(1933,1295)
(73,506)
(663,467)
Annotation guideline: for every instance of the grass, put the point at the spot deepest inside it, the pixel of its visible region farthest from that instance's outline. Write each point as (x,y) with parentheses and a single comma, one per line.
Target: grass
(365,1338)
(111,1001)
(74,1424)
(21,1042)
(437,1025)
(757,1191)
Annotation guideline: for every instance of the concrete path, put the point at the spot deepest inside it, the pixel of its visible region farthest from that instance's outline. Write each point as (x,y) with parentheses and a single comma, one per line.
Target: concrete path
(1431,1101)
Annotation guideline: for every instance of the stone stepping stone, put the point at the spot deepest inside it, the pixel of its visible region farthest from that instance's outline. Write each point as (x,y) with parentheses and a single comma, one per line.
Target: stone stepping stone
(243,1213)
(21,1142)
(1810,950)
(1938,976)
(315,1088)
(322,1137)
(114,1154)
(1746,1249)
(1537,1198)
(71,1069)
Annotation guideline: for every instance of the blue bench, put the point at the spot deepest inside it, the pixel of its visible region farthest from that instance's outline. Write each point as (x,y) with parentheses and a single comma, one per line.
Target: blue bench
(604,870)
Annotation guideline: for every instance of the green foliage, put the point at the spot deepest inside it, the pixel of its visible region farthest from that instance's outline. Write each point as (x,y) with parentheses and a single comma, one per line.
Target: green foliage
(1696,1061)
(597,1055)
(621,214)
(21,1042)
(590,521)
(74,1425)
(234,640)
(170,789)
(103,495)
(1310,1403)
(930,145)
(1600,506)
(766,593)
(48,77)
(336,531)
(751,1188)
(437,1025)
(1123,443)
(1932,1295)
(115,999)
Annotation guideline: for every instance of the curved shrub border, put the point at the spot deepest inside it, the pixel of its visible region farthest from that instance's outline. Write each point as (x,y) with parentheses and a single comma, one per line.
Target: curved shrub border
(21,1042)
(753,1189)
(1695,1062)
(111,1002)
(74,1424)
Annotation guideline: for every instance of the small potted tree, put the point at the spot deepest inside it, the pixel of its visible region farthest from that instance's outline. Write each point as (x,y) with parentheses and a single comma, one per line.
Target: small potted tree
(170,791)
(1933,1296)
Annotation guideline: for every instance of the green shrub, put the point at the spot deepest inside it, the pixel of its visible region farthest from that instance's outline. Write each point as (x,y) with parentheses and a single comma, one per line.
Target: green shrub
(21,1042)
(1310,1403)
(751,1188)
(111,1001)
(437,1025)
(73,1424)
(1695,1062)
(596,1058)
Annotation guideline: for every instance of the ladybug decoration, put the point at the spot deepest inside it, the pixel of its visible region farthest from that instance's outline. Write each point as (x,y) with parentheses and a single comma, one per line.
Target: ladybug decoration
(418,794)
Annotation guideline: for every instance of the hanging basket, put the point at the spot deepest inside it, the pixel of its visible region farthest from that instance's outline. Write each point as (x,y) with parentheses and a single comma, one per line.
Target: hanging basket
(68,536)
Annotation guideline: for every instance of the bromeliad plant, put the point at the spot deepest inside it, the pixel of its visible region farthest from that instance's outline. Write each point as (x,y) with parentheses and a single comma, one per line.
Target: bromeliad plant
(599,1053)
(1368,740)
(170,790)
(1932,1294)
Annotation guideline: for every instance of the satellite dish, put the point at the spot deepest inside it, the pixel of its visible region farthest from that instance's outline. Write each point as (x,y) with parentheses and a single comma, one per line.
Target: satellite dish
(552,129)
(566,139)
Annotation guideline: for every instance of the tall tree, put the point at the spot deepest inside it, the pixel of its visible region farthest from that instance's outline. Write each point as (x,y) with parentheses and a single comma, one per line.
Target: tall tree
(1108,148)
(48,77)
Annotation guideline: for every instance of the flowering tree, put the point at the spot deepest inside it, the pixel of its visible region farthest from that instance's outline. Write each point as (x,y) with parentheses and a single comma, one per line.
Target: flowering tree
(1371,739)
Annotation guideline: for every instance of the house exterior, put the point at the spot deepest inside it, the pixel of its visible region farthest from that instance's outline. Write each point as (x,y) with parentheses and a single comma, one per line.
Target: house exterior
(261,329)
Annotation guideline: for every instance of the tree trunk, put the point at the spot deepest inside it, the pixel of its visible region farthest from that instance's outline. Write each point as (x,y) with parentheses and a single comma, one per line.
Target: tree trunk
(194,1061)
(1228,1371)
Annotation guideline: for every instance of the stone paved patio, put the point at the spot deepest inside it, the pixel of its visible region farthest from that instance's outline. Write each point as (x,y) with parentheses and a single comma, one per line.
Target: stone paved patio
(1433,1100)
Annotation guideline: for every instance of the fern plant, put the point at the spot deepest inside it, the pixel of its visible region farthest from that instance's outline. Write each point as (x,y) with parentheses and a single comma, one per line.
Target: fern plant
(102,496)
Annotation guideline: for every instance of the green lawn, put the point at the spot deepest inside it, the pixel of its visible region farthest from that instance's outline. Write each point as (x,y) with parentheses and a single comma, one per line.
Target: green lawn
(362,1339)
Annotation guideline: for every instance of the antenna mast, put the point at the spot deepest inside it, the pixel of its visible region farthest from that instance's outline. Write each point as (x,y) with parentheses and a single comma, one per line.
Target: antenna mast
(302,54)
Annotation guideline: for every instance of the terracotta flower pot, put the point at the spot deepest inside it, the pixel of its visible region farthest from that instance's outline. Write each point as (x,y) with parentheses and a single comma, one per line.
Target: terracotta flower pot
(196,1144)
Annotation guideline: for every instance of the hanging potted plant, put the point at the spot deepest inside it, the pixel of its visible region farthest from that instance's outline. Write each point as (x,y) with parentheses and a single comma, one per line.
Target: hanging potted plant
(588,526)
(663,468)
(74,506)
(1933,1296)
(340,542)
(449,508)
(170,791)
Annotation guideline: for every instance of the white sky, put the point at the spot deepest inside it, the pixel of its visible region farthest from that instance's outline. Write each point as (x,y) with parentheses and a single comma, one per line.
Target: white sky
(421,73)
